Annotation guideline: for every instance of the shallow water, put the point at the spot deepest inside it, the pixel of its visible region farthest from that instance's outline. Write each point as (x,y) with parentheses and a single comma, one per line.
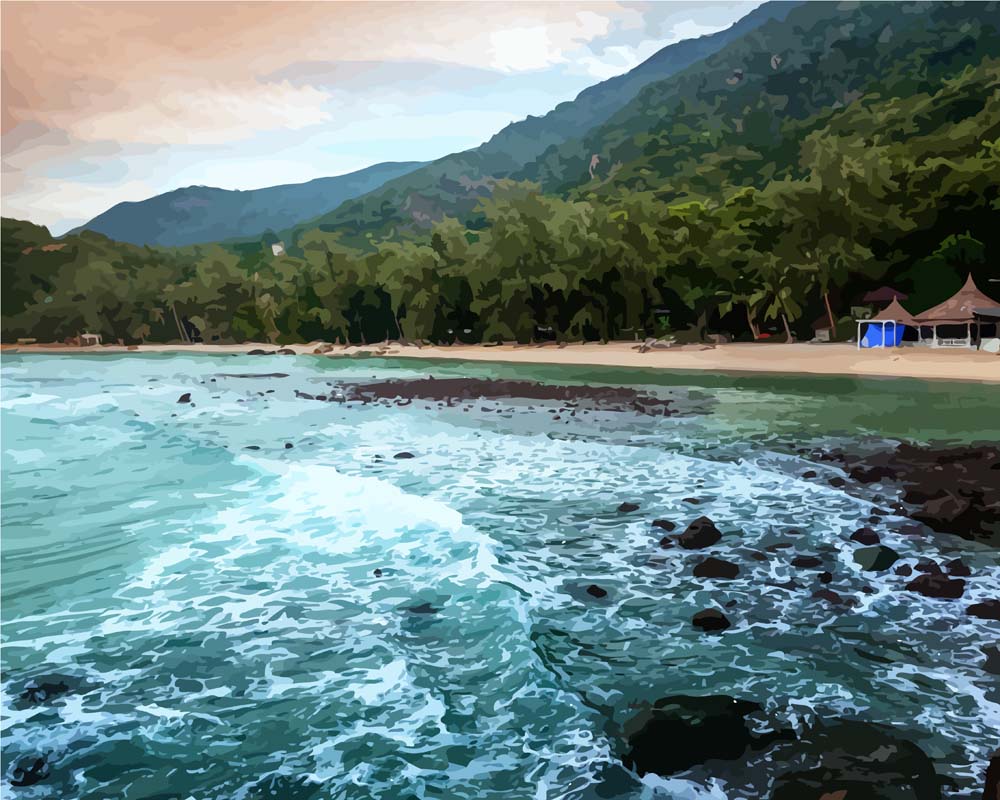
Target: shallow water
(219,603)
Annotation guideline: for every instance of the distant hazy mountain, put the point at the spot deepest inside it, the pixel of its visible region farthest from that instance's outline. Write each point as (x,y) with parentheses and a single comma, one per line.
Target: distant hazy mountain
(203,214)
(453,185)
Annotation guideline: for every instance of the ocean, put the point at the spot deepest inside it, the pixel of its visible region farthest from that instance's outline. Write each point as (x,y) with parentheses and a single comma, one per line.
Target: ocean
(251,596)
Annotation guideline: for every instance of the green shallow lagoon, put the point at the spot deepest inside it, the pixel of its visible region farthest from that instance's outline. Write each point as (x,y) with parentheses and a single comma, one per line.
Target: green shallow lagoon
(211,592)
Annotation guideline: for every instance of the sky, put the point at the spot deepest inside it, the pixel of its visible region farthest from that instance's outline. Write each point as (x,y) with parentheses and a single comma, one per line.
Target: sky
(105,102)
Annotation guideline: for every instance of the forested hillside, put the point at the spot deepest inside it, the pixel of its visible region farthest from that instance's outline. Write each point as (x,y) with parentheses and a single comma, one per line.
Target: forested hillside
(453,185)
(867,153)
(205,214)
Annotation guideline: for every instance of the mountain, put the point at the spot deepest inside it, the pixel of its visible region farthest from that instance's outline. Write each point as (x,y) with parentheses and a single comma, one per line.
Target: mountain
(203,214)
(739,117)
(454,185)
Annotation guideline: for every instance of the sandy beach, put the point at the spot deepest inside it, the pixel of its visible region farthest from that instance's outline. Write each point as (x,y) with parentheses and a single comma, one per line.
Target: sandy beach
(777,358)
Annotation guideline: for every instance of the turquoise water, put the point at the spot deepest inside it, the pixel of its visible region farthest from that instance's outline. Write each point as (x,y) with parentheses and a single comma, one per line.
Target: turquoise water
(218,607)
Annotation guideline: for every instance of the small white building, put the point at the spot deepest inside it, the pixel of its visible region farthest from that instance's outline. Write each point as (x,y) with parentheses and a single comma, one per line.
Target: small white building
(278,248)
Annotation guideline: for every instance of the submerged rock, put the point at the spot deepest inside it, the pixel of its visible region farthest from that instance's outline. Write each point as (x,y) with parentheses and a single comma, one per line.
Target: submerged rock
(853,760)
(422,608)
(450,390)
(988,609)
(700,533)
(596,591)
(807,562)
(681,731)
(712,567)
(710,621)
(30,771)
(875,559)
(939,586)
(46,688)
(626,508)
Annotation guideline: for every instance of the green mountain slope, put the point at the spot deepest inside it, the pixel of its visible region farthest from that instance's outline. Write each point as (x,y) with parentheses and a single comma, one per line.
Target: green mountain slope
(737,118)
(454,185)
(205,214)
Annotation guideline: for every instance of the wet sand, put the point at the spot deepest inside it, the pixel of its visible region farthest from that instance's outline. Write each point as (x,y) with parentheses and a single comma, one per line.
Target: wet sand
(777,358)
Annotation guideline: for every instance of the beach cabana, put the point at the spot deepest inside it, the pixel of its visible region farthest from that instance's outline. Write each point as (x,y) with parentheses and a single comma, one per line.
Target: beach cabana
(883,296)
(954,317)
(886,328)
(987,328)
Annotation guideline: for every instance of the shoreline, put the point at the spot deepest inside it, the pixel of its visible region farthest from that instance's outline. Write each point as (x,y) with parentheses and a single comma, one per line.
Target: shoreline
(775,358)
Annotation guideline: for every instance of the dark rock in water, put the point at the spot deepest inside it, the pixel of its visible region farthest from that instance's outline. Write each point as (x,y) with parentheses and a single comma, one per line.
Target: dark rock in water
(988,609)
(906,570)
(940,586)
(992,663)
(700,533)
(865,536)
(958,568)
(596,591)
(30,771)
(289,445)
(692,500)
(666,542)
(929,567)
(951,490)
(806,562)
(712,567)
(872,474)
(875,559)
(837,482)
(404,454)
(758,556)
(663,524)
(184,398)
(829,595)
(991,790)
(462,390)
(423,608)
(46,688)
(710,620)
(680,732)
(625,508)
(853,760)
(826,577)
(252,447)
(377,572)
(809,473)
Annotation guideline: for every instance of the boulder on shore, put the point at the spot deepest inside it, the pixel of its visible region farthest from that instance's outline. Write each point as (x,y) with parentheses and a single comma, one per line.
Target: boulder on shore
(940,586)
(681,731)
(700,533)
